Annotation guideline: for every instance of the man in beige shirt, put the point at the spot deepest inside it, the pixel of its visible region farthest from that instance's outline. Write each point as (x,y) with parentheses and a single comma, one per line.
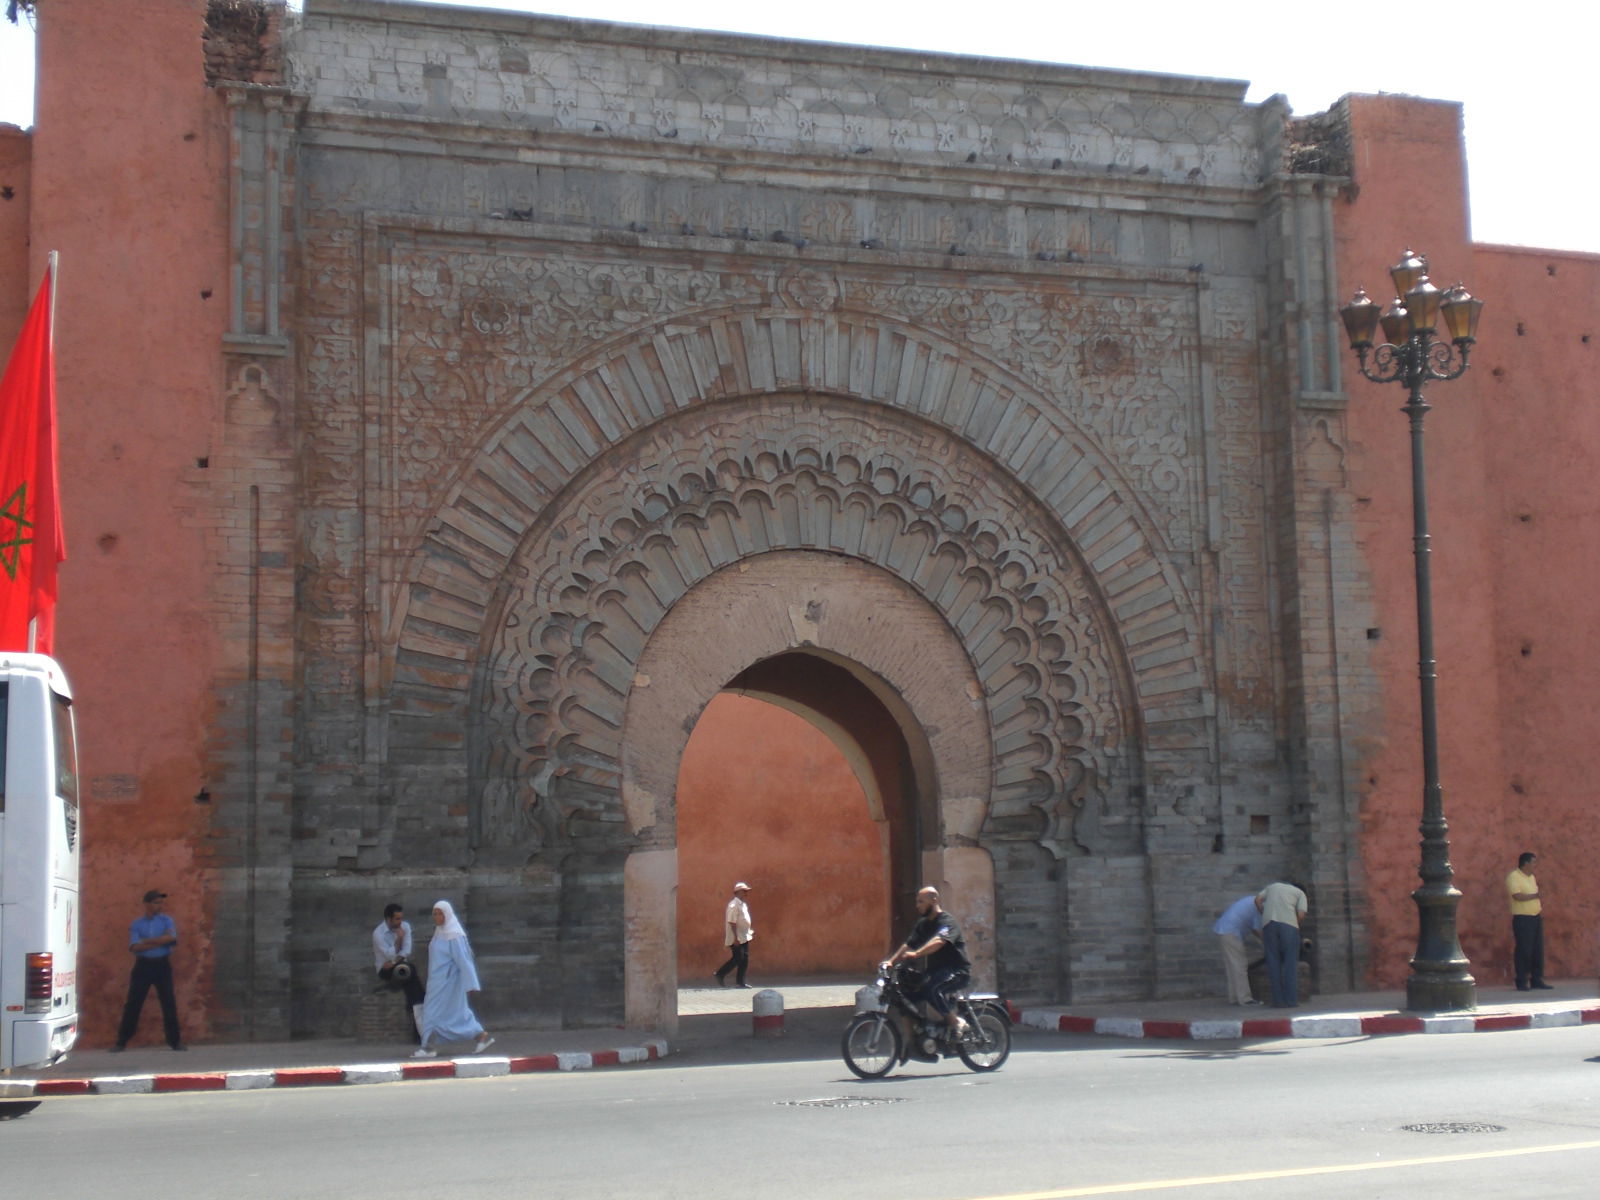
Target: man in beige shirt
(1527,925)
(736,935)
(1282,905)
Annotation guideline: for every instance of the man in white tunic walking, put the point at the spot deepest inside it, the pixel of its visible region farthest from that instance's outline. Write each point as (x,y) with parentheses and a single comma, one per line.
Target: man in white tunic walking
(736,935)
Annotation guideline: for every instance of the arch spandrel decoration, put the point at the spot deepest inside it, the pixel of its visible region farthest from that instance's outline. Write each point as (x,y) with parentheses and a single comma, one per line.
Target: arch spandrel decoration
(711,487)
(603,342)
(468,563)
(537,447)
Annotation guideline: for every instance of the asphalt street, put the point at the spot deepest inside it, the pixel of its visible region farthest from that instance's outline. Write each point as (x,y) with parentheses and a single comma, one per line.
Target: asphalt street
(1067,1116)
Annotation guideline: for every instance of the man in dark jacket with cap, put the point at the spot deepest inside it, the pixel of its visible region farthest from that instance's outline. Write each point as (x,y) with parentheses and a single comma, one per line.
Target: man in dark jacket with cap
(150,941)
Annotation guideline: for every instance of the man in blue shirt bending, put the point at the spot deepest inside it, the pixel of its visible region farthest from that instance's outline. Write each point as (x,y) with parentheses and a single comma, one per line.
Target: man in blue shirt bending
(1239,921)
(150,941)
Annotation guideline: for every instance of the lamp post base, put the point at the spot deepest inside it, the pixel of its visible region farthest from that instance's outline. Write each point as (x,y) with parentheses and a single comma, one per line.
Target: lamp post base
(1452,990)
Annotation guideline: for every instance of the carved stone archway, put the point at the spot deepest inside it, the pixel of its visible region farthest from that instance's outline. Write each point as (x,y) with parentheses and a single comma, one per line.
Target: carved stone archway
(717,489)
(892,641)
(532,455)
(722,484)
(557,556)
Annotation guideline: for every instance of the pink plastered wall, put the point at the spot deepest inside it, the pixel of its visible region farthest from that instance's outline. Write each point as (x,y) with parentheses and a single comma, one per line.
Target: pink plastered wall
(766,798)
(1542,524)
(128,184)
(16,282)
(1510,440)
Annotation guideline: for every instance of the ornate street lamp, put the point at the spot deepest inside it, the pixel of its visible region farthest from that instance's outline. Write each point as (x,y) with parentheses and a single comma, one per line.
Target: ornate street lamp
(1413,356)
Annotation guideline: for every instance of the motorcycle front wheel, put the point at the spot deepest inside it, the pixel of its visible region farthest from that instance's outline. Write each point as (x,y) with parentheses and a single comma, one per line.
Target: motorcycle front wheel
(871,1045)
(989,1044)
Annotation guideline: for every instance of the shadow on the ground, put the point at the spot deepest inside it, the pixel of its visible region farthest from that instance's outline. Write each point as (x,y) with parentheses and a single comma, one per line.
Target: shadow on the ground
(815,1034)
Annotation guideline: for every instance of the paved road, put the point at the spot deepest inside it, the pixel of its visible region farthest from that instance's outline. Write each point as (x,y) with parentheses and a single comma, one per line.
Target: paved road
(1066,1117)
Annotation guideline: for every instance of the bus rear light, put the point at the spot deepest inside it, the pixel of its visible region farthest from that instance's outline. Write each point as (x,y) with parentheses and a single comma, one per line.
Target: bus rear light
(39,976)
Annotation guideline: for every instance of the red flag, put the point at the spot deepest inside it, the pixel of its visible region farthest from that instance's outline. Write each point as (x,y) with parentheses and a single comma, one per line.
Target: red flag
(31,545)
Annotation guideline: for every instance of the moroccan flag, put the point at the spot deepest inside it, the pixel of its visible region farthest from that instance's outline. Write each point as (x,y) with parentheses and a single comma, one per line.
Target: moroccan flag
(31,545)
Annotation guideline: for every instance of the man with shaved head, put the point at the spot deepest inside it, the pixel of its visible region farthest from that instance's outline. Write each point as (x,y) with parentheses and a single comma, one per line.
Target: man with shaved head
(935,940)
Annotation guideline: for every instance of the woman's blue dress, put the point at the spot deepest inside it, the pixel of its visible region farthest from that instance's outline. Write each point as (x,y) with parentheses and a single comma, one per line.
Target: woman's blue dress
(446,1015)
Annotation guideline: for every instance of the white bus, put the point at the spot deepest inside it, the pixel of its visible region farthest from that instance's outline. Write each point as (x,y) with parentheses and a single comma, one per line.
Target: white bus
(39,910)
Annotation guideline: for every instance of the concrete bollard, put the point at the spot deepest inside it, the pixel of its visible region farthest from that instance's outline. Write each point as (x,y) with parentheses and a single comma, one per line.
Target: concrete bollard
(767,1007)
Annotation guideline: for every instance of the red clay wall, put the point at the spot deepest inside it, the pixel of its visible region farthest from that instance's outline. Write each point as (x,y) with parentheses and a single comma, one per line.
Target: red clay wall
(16,168)
(1498,445)
(129,183)
(1538,372)
(756,781)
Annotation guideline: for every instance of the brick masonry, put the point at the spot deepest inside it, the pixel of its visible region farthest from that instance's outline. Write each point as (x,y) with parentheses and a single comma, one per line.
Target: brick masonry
(554,344)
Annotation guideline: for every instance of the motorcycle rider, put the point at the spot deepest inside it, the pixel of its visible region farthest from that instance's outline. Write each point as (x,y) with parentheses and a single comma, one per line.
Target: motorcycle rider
(936,939)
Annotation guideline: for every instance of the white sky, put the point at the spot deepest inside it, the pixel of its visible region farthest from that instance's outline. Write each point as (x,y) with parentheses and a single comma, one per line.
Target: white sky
(1524,75)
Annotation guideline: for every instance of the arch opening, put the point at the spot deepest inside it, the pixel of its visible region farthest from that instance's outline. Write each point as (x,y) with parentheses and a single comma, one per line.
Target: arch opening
(850,647)
(800,779)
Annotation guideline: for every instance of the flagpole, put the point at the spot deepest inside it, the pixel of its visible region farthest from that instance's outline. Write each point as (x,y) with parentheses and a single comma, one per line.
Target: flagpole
(51,262)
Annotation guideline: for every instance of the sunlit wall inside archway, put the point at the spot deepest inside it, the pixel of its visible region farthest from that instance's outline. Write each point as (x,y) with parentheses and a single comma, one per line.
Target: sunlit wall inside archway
(765,797)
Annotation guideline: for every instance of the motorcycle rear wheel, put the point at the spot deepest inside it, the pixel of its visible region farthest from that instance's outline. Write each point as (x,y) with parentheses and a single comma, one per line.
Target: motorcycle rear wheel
(871,1045)
(989,1044)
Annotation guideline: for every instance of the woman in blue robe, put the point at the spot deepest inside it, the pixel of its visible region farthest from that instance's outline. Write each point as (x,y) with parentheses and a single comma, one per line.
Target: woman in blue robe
(452,974)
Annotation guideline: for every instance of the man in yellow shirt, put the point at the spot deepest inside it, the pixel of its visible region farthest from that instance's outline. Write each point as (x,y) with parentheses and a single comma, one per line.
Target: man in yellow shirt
(1527,925)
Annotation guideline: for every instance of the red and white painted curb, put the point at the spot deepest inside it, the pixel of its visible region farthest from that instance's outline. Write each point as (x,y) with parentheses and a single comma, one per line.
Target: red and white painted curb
(1330,1026)
(474,1067)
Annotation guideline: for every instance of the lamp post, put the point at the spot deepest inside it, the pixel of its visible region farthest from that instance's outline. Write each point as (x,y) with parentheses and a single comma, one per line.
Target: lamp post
(1413,356)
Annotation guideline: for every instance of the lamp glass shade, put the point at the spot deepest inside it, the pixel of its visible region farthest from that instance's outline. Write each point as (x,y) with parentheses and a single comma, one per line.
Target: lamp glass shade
(1360,318)
(1407,271)
(1460,310)
(1396,325)
(1422,306)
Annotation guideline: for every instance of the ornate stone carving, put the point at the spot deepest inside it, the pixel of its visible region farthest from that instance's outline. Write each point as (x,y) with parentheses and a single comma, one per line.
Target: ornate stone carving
(1242,588)
(473,330)
(713,487)
(525,363)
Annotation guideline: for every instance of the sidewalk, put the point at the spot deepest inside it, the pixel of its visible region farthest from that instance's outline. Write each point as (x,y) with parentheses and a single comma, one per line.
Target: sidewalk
(716,1026)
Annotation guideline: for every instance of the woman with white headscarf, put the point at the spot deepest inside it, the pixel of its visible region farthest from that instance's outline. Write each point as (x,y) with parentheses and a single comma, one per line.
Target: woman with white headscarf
(452,974)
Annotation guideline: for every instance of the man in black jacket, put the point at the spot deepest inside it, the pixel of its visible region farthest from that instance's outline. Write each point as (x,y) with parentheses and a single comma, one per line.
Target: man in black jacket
(936,940)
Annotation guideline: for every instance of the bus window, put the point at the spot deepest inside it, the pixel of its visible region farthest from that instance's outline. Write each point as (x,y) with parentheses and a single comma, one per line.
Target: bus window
(5,708)
(66,751)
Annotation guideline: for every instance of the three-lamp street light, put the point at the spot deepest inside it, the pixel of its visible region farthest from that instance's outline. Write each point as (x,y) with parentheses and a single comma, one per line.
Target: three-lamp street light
(1413,356)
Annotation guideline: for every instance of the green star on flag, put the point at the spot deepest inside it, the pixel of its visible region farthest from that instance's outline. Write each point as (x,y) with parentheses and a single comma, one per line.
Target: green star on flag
(31,545)
(13,522)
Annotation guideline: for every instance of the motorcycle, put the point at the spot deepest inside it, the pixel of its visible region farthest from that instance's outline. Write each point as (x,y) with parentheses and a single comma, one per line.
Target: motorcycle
(876,1040)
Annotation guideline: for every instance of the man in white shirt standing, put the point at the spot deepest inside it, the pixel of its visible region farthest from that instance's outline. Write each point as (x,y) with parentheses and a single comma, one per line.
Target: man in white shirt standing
(391,947)
(1282,905)
(736,935)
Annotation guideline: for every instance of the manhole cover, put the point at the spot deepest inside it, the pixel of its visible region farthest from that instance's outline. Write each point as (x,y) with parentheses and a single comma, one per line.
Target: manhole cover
(1454,1127)
(841,1102)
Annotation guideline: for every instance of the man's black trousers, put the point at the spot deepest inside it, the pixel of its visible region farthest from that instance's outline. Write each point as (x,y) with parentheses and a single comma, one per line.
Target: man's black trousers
(1528,957)
(148,973)
(738,959)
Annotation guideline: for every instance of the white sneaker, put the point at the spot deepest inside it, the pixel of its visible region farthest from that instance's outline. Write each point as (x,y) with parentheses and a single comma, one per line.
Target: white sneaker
(483,1043)
(424,1052)
(1252,1000)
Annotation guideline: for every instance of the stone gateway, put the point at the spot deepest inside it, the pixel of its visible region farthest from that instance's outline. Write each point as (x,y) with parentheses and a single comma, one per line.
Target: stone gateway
(491,404)
(592,369)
